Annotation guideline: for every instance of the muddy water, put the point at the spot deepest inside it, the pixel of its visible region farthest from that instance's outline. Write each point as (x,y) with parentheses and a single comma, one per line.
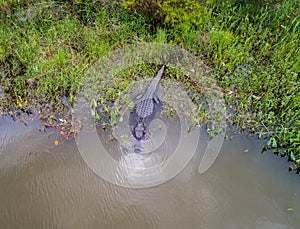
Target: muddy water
(47,186)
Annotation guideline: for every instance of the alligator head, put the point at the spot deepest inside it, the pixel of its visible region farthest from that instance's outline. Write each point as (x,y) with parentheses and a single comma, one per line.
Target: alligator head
(139,130)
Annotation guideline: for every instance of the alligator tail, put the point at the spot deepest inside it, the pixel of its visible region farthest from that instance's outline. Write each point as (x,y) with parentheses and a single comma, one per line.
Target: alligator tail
(171,57)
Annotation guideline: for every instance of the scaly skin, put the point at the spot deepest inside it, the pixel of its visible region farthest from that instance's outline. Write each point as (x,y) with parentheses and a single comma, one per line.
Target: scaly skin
(145,106)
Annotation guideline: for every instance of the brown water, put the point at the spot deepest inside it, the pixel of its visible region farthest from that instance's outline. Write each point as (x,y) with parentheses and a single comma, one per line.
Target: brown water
(54,188)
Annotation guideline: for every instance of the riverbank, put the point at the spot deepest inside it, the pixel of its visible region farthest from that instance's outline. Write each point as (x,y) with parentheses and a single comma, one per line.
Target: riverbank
(252,49)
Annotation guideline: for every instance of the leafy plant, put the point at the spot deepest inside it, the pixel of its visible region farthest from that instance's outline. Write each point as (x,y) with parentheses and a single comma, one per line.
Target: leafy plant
(178,14)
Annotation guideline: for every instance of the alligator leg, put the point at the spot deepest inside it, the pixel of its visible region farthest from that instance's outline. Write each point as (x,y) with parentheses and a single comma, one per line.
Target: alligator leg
(156,99)
(139,96)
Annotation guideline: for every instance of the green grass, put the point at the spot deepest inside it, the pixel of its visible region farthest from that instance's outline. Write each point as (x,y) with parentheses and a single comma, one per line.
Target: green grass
(251,46)
(45,57)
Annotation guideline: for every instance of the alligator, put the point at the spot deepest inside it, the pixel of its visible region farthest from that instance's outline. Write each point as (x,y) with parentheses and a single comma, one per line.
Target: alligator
(144,107)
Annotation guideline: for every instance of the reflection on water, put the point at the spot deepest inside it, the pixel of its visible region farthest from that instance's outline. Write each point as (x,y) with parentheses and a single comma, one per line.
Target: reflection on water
(56,189)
